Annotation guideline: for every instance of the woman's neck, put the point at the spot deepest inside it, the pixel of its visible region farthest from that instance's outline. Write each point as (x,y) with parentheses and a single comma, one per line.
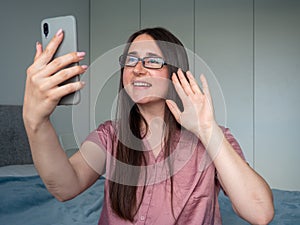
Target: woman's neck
(154,116)
(152,111)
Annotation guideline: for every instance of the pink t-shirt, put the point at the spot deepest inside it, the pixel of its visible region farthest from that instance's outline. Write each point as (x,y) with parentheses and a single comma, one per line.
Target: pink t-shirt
(195,183)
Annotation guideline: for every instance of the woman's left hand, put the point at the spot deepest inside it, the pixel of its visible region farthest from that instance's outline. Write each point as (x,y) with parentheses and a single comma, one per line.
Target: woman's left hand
(198,113)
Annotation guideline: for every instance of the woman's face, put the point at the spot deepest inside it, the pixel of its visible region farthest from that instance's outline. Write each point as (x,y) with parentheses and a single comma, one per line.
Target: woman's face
(142,84)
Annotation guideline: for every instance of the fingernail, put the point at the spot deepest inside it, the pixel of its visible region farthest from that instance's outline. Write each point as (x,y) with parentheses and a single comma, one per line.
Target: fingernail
(37,44)
(84,67)
(80,54)
(174,76)
(59,32)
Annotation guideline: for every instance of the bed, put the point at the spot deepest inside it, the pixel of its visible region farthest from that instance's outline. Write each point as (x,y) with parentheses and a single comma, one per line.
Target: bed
(26,201)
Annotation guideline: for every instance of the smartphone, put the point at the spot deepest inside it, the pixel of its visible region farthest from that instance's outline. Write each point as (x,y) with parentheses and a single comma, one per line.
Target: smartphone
(49,27)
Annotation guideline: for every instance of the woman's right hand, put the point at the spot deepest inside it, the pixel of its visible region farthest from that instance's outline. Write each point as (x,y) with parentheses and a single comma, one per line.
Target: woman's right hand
(42,91)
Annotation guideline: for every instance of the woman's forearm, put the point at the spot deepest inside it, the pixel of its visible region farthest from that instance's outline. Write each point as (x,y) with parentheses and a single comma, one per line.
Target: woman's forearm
(51,161)
(250,195)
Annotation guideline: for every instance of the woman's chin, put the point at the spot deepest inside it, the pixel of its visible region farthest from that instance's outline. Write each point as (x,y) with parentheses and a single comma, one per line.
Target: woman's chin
(147,100)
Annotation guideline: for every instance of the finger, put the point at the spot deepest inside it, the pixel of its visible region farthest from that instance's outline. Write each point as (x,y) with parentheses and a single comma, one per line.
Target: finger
(66,89)
(193,83)
(178,87)
(39,50)
(184,83)
(62,62)
(174,109)
(205,86)
(50,50)
(65,75)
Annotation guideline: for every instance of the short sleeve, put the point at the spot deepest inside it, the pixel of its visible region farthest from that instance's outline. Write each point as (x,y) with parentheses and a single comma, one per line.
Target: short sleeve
(103,136)
(95,147)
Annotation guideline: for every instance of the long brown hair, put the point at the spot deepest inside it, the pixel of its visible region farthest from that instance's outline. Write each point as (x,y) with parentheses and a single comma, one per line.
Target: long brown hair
(122,194)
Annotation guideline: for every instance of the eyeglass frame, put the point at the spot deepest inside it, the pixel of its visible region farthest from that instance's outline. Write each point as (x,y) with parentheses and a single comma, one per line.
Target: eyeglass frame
(141,60)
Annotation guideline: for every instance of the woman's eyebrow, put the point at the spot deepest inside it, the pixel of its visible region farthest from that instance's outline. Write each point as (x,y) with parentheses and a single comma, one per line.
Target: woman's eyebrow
(132,53)
(148,54)
(153,54)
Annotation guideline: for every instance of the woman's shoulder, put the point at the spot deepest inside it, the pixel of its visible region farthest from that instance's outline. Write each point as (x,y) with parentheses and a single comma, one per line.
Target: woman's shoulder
(105,130)
(103,135)
(108,127)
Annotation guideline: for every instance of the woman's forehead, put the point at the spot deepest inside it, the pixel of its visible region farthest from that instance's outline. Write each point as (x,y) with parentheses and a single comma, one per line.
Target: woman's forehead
(144,45)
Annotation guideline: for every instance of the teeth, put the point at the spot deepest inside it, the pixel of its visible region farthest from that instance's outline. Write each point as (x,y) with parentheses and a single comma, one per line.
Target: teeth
(141,84)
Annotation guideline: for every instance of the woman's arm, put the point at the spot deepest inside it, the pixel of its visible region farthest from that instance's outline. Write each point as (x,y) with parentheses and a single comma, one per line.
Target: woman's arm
(250,195)
(63,177)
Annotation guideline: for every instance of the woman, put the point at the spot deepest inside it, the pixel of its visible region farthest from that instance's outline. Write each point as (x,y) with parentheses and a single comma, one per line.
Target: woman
(165,157)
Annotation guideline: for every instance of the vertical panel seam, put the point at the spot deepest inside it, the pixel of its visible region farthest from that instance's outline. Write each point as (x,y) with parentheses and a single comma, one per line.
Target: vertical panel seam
(253,27)
(90,59)
(140,15)
(194,36)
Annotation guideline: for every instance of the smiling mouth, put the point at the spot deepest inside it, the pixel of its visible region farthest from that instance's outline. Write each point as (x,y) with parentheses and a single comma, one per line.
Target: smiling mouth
(141,84)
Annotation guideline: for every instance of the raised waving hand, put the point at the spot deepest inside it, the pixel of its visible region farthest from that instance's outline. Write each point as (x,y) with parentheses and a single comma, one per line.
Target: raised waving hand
(198,113)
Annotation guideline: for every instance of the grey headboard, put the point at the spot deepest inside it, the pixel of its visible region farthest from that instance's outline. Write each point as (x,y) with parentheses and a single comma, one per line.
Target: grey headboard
(14,146)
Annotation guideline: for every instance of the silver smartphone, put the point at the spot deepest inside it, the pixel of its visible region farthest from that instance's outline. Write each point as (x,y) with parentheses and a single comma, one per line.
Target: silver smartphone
(49,27)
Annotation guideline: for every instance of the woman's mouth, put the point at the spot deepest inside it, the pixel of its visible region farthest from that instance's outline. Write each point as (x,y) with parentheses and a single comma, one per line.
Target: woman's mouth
(141,84)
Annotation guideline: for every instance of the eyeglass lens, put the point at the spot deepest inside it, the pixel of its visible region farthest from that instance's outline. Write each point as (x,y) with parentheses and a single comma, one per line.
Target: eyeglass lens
(148,62)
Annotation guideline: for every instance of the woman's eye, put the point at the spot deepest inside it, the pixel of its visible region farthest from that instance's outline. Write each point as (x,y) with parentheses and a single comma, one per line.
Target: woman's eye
(131,59)
(154,61)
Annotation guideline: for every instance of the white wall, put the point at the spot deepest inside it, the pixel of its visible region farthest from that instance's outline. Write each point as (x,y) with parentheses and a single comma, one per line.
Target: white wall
(252,48)
(20,29)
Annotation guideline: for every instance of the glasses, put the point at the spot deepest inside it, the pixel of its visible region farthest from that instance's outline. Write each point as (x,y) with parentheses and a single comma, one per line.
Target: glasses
(152,62)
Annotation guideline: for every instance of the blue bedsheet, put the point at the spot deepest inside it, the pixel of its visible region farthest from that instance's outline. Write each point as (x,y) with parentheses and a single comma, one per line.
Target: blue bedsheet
(26,201)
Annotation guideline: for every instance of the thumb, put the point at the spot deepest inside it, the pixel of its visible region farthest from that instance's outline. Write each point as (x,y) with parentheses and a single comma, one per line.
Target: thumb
(174,109)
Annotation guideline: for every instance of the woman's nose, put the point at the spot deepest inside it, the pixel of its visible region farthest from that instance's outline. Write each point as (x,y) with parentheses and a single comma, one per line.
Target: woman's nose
(139,69)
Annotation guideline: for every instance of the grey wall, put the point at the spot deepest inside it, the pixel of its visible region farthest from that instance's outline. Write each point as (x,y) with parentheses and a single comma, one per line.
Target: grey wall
(20,29)
(277,91)
(251,49)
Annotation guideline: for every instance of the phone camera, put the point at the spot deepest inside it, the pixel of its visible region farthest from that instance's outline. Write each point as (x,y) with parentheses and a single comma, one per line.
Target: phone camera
(46,29)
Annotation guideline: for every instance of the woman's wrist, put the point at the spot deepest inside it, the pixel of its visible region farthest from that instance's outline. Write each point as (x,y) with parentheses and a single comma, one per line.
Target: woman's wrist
(212,138)
(204,133)
(33,124)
